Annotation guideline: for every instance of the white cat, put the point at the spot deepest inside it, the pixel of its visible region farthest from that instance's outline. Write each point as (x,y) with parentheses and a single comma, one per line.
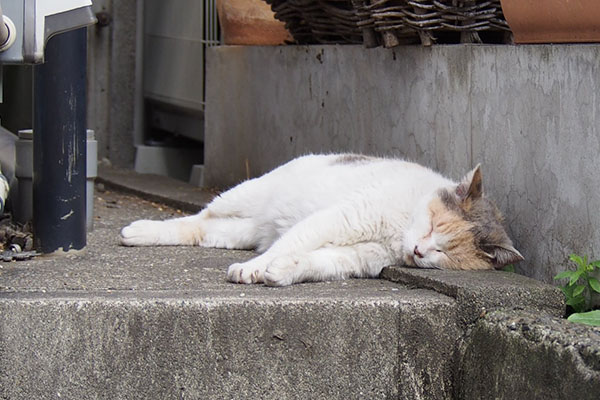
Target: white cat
(327,217)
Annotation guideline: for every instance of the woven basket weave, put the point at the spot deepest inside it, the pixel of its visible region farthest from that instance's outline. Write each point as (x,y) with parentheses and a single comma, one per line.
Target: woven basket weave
(391,22)
(430,19)
(319,21)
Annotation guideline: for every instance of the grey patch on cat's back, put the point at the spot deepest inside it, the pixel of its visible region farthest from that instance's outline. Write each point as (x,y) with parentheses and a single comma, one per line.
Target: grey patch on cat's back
(352,159)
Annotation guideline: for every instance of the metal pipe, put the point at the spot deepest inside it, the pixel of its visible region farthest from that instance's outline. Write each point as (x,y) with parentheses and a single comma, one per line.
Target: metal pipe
(8,32)
(4,32)
(59,145)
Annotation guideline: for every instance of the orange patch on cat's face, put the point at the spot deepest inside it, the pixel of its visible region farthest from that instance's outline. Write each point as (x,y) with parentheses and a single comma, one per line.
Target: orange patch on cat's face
(455,239)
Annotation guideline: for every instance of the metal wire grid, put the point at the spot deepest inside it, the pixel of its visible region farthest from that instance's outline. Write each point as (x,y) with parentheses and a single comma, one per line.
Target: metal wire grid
(211,24)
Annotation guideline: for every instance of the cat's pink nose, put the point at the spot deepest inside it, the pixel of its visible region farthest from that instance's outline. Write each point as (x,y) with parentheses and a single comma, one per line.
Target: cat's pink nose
(417,252)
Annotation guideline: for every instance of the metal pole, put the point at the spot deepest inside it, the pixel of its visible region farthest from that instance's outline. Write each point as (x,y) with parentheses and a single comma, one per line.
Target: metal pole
(4,32)
(59,145)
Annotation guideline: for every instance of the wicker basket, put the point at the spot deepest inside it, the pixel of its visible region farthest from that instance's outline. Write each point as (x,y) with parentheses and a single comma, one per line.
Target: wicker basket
(393,22)
(449,21)
(319,21)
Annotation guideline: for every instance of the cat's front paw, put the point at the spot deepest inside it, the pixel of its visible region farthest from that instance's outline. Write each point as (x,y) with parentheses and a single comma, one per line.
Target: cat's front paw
(144,233)
(248,272)
(280,272)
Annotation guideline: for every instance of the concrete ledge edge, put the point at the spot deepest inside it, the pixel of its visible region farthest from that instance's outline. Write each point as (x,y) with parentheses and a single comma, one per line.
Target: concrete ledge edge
(478,292)
(156,188)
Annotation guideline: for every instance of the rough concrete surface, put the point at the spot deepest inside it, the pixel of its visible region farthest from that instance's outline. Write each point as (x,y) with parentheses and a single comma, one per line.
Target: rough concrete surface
(194,346)
(157,188)
(115,322)
(529,114)
(162,323)
(528,355)
(478,292)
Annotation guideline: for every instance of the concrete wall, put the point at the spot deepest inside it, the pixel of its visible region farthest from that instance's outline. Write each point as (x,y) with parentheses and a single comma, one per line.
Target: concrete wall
(524,355)
(527,113)
(112,81)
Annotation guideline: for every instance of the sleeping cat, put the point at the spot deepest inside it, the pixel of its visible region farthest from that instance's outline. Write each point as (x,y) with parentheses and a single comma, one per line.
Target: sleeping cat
(336,216)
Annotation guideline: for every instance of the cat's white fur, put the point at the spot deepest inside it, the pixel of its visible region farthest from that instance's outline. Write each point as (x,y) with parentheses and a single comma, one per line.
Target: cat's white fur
(318,217)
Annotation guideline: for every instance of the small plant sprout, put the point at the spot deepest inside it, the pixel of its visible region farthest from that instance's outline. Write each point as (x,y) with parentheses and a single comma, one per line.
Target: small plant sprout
(579,288)
(509,268)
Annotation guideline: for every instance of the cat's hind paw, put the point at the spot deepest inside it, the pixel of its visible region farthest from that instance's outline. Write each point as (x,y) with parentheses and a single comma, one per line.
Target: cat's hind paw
(280,272)
(246,272)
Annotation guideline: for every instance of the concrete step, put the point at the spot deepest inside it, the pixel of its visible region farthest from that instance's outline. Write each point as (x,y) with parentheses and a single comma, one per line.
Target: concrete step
(367,339)
(162,323)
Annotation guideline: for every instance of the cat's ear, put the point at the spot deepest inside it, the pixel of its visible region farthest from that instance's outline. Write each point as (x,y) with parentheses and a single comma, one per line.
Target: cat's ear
(471,186)
(502,255)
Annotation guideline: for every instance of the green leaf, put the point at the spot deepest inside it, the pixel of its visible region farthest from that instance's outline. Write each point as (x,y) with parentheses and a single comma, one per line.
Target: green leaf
(567,290)
(595,264)
(589,318)
(578,290)
(576,259)
(594,284)
(564,274)
(575,277)
(575,301)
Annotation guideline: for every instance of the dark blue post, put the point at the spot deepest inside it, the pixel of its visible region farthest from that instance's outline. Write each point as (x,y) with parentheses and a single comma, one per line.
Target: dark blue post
(59,144)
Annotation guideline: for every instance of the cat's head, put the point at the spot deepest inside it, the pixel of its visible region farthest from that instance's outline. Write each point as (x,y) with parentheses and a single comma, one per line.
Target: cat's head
(459,228)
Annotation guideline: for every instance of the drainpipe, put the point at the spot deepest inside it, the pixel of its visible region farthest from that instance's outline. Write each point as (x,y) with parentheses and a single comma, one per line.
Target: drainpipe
(59,145)
(5,41)
(4,32)
(7,31)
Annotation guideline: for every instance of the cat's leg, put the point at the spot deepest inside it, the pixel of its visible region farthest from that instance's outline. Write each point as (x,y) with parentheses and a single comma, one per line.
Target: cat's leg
(338,238)
(203,229)
(307,235)
(362,260)
(229,221)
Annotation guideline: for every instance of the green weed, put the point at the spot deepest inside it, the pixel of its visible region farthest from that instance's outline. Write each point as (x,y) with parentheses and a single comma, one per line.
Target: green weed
(509,268)
(579,288)
(589,318)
